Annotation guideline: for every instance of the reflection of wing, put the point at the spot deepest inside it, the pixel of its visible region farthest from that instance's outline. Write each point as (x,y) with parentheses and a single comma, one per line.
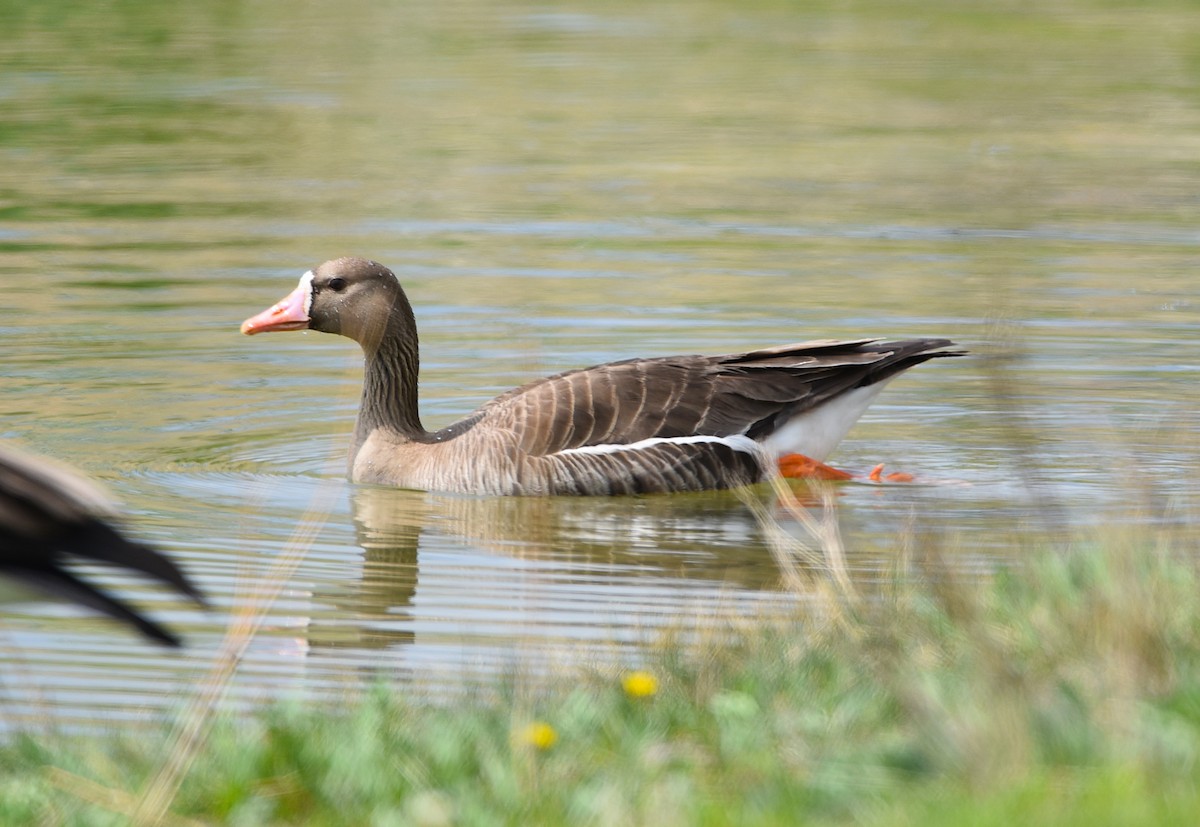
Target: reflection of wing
(47,513)
(689,422)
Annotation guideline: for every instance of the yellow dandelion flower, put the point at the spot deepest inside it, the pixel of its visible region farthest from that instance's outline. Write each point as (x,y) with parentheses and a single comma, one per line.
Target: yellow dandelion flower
(538,734)
(639,684)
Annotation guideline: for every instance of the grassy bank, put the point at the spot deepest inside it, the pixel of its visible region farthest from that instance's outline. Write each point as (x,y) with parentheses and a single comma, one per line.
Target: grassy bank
(1067,692)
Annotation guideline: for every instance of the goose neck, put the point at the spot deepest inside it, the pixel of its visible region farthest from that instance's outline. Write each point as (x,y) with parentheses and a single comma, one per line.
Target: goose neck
(389,397)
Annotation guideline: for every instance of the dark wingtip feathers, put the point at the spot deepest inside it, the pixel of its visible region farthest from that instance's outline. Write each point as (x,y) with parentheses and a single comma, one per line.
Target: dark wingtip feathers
(905,354)
(48,514)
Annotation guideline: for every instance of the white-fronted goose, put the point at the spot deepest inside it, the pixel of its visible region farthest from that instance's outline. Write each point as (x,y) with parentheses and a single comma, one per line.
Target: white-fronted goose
(676,423)
(48,514)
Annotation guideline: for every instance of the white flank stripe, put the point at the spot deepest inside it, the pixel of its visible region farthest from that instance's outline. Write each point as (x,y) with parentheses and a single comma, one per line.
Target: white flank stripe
(737,442)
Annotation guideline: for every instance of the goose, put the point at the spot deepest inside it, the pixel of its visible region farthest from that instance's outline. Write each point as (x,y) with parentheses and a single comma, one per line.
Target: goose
(50,514)
(638,426)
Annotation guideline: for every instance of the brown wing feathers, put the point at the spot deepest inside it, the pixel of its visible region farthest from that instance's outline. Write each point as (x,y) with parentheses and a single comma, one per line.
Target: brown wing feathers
(763,389)
(747,393)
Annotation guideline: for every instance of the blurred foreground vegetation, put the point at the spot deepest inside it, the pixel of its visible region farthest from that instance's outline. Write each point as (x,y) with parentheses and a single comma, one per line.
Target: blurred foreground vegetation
(1063,692)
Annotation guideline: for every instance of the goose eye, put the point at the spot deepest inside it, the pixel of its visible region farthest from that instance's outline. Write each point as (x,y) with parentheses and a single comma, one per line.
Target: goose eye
(337,285)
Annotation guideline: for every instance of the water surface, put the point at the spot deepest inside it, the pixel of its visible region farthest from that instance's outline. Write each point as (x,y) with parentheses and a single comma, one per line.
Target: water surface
(559,186)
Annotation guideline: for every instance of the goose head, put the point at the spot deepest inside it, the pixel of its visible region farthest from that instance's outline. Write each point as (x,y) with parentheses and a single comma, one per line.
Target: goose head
(352,297)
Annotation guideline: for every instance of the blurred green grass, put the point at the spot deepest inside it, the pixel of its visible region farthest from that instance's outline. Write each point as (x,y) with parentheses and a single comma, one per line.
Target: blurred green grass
(1066,691)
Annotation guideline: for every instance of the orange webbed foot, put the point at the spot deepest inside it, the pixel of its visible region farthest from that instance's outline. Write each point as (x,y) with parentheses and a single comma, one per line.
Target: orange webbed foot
(800,467)
(877,475)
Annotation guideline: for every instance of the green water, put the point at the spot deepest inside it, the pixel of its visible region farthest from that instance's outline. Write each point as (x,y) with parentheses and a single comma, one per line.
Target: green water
(559,185)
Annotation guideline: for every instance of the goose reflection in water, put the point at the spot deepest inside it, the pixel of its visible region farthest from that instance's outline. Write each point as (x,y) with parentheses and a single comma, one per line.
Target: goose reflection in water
(486,573)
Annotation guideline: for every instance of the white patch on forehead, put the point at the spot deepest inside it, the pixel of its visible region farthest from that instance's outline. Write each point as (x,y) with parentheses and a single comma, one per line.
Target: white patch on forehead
(306,285)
